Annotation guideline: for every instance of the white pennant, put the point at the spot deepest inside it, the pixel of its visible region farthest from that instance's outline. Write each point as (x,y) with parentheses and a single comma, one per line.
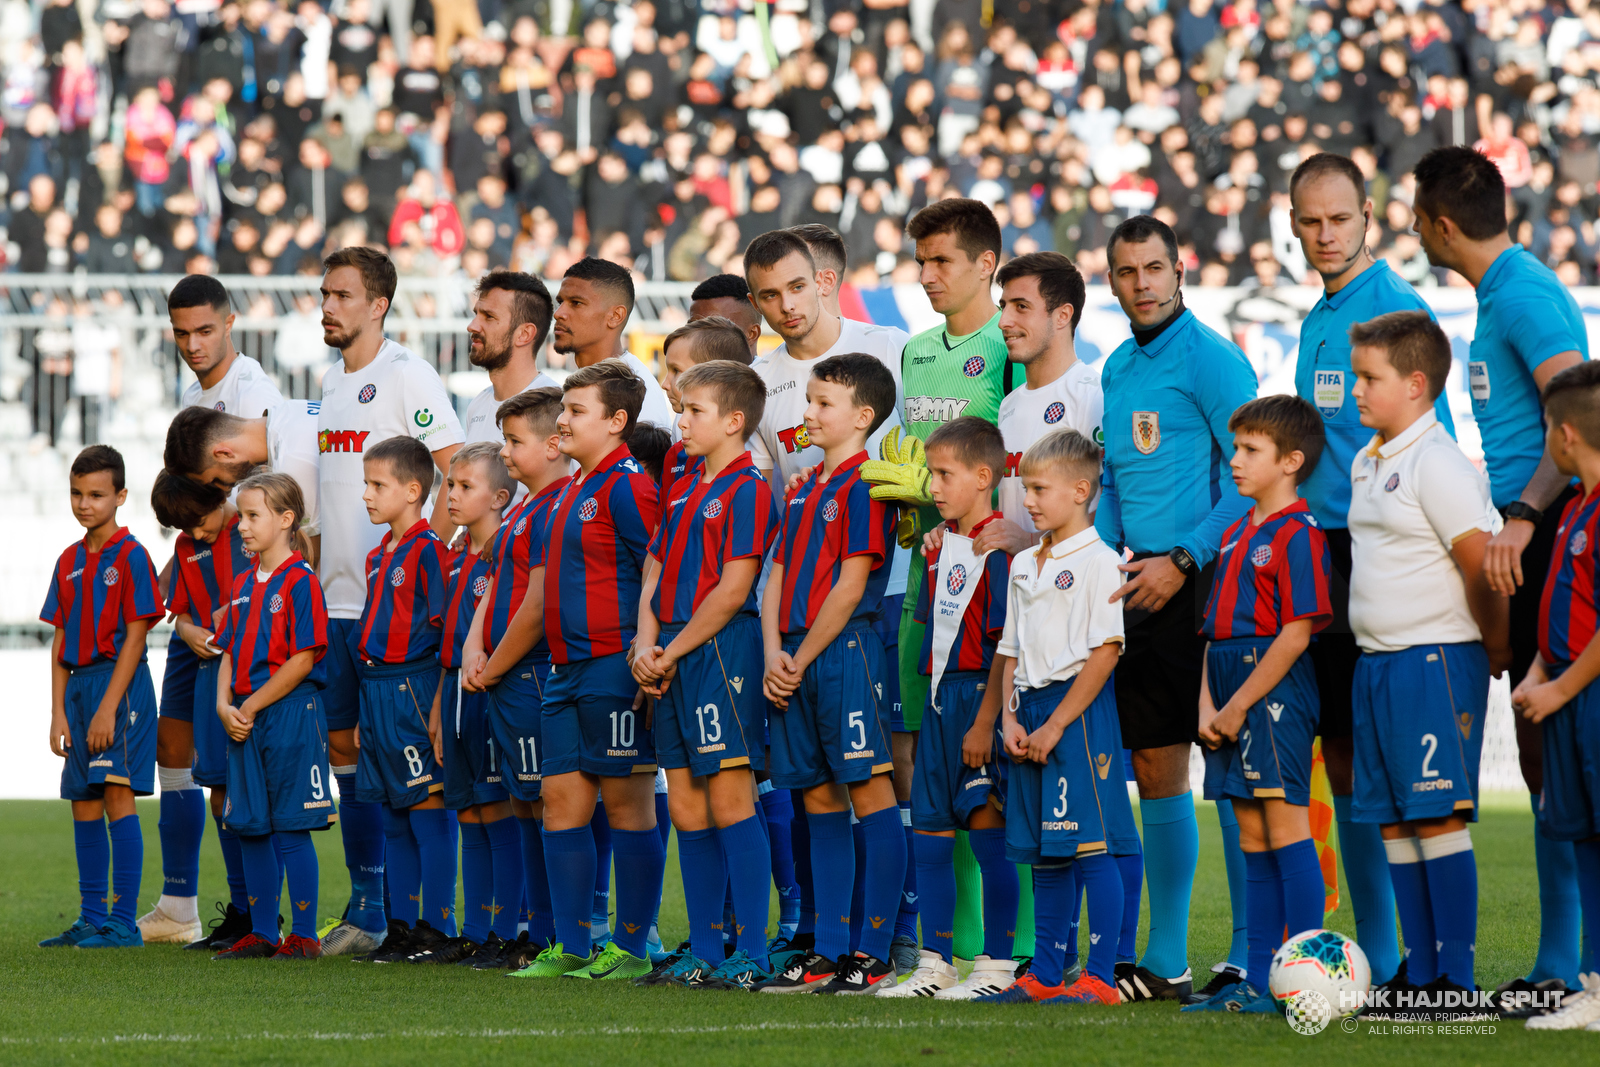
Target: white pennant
(950,599)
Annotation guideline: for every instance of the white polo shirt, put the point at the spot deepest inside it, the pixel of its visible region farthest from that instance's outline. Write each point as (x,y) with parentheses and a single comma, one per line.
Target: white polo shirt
(480,424)
(1056,616)
(1071,402)
(245,390)
(1412,498)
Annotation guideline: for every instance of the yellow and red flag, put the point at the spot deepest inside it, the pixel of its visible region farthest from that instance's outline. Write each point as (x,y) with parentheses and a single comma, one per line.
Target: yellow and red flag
(1322,820)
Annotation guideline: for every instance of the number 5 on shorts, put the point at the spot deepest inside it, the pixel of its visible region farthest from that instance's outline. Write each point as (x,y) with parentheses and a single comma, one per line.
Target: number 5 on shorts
(858,723)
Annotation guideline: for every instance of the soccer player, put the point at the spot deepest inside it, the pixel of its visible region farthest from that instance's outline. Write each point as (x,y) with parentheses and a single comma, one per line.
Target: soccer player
(1330,215)
(697,341)
(1258,701)
(591,315)
(961,770)
(1066,798)
(1558,692)
(269,699)
(698,651)
(727,295)
(399,642)
(506,656)
(510,320)
(1433,632)
(597,742)
(827,249)
(102,600)
(379,390)
(1169,392)
(824,664)
(202,316)
(1529,329)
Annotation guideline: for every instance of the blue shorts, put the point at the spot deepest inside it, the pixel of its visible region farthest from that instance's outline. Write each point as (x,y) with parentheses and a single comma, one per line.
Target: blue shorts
(590,723)
(471,771)
(887,627)
(177,682)
(834,728)
(395,765)
(944,790)
(341,698)
(711,716)
(1272,758)
(278,777)
(514,712)
(210,739)
(1572,768)
(1076,802)
(1418,729)
(131,758)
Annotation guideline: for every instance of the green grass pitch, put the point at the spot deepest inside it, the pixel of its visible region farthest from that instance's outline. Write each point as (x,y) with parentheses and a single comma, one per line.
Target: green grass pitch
(161,1005)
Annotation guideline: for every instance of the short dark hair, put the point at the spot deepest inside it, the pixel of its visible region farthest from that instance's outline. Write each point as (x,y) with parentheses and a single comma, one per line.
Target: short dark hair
(191,435)
(378,275)
(1464,186)
(720,286)
(769,249)
(871,383)
(98,458)
(1141,228)
(620,389)
(199,290)
(975,442)
(1290,421)
(827,247)
(1413,341)
(734,387)
(714,337)
(606,276)
(539,408)
(183,503)
(1060,282)
(973,224)
(530,300)
(1573,397)
(1328,164)
(408,457)
(649,444)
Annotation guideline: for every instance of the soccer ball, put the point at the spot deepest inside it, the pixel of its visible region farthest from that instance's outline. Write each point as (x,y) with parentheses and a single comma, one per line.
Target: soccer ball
(1327,962)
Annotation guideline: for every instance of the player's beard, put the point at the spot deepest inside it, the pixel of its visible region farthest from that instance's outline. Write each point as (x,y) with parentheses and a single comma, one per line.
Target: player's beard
(335,337)
(1038,346)
(805,331)
(488,357)
(239,471)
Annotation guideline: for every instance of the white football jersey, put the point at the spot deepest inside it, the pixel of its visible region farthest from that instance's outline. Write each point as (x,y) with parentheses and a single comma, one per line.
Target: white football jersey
(480,424)
(781,444)
(1071,402)
(245,390)
(1059,613)
(292,449)
(397,394)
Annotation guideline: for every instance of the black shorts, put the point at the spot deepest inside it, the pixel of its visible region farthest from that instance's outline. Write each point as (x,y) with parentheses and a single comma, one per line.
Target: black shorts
(1334,651)
(1525,604)
(1158,676)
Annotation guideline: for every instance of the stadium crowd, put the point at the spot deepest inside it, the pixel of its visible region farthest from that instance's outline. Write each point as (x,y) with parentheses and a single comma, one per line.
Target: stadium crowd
(254,137)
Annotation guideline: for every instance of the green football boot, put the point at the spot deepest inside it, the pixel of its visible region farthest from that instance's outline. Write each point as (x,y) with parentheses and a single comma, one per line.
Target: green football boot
(553,962)
(614,963)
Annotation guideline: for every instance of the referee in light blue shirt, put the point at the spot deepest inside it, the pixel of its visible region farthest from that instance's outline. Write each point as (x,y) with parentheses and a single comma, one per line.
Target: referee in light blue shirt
(1529,329)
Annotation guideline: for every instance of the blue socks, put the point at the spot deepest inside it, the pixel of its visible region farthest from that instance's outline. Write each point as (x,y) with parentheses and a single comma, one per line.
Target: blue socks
(94,869)
(1101,877)
(477,882)
(537,888)
(937,880)
(261,875)
(1053,899)
(905,923)
(1172,851)
(1069,958)
(300,867)
(800,848)
(361,826)
(641,861)
(1233,859)
(663,819)
(779,808)
(704,874)
(1001,890)
(127,867)
(1586,858)
(1559,909)
(1453,889)
(1303,895)
(1372,895)
(504,837)
(183,822)
(1132,868)
(570,863)
(233,862)
(1264,894)
(600,913)
(1411,897)
(437,856)
(858,892)
(748,855)
(886,878)
(404,865)
(833,878)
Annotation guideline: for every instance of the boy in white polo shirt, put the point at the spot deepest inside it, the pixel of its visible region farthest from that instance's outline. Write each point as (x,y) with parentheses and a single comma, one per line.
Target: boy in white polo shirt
(1432,632)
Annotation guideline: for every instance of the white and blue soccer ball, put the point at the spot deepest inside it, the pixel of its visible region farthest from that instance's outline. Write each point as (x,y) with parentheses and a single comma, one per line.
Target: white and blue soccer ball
(1326,962)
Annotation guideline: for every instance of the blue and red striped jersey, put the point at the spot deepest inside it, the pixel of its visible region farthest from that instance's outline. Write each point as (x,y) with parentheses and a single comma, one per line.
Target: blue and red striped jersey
(1270,575)
(705,527)
(203,574)
(269,622)
(94,595)
(825,524)
(593,560)
(466,580)
(677,466)
(984,620)
(520,537)
(1567,618)
(405,597)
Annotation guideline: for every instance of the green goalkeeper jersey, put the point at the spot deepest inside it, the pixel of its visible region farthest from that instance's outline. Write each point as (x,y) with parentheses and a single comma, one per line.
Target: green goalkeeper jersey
(945,377)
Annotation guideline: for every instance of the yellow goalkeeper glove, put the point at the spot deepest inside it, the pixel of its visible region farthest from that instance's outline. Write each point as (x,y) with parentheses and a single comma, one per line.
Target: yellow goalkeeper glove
(901,476)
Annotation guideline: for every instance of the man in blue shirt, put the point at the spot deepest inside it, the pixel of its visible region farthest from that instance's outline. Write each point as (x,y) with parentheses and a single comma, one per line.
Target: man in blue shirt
(1529,329)
(1169,496)
(1331,214)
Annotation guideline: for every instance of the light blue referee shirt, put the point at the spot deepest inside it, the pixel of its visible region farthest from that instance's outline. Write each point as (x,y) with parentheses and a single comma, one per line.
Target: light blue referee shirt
(1525,316)
(1323,376)
(1166,480)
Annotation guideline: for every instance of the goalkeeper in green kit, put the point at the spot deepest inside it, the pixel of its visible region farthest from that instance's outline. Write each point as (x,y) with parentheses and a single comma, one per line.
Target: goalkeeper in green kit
(947,372)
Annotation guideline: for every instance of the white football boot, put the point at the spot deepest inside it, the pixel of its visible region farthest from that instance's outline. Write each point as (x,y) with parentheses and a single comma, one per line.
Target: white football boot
(1577,1012)
(988,976)
(932,976)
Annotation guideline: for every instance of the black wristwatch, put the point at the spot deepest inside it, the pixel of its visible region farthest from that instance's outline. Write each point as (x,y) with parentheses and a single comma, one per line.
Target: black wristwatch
(1182,560)
(1518,509)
